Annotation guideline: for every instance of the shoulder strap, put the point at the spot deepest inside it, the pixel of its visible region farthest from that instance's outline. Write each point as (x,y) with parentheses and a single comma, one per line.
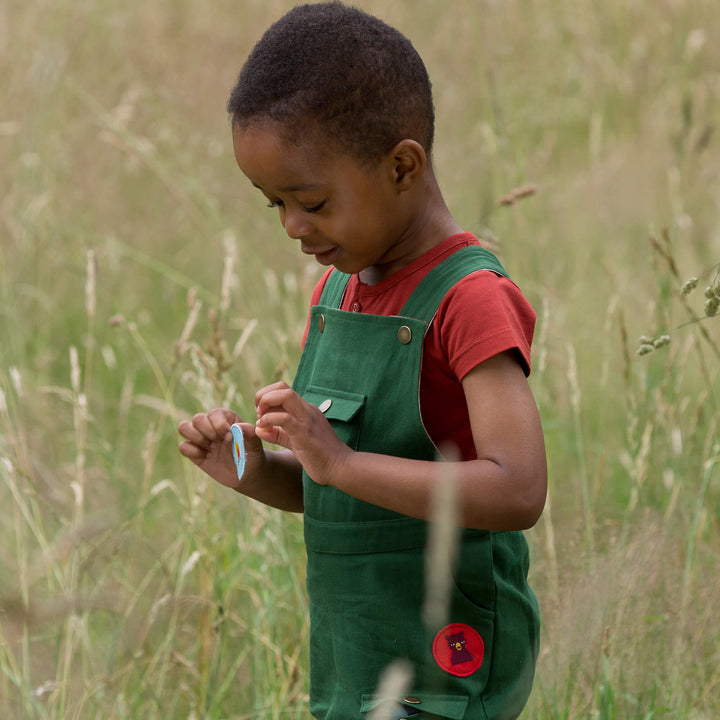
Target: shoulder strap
(334,288)
(427,296)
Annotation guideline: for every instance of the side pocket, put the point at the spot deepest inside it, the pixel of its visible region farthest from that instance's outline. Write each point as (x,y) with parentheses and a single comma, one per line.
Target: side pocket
(463,650)
(474,574)
(344,410)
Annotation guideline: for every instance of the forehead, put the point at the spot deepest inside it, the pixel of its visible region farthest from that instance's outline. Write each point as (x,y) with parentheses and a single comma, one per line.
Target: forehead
(269,156)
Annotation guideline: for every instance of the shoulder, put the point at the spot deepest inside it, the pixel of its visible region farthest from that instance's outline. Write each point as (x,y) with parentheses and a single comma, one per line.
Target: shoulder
(482,315)
(485,290)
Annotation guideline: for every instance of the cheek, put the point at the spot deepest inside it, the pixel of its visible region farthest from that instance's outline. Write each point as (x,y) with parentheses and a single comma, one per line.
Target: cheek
(368,218)
(372,215)
(362,232)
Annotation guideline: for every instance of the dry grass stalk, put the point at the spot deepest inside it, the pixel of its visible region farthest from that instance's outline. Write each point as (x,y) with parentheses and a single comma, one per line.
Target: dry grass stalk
(395,682)
(442,543)
(518,193)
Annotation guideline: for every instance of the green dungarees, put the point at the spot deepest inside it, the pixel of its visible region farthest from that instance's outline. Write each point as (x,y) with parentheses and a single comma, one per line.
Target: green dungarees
(365,564)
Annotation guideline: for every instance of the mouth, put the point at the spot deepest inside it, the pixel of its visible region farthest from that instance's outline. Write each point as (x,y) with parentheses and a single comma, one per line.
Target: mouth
(324,257)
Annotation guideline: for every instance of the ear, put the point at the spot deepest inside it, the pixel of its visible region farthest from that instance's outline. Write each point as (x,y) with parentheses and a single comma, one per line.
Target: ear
(408,163)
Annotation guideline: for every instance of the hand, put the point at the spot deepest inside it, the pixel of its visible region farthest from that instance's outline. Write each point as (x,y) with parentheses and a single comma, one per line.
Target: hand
(285,419)
(208,443)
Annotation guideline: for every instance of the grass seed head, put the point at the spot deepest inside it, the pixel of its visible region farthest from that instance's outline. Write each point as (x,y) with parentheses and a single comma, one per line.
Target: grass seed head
(689,286)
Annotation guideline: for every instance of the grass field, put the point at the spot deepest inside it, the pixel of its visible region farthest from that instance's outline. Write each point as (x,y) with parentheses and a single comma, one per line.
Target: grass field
(142,280)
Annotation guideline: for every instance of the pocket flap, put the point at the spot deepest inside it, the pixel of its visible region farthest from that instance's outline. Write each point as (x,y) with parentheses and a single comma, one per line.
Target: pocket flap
(335,404)
(451,707)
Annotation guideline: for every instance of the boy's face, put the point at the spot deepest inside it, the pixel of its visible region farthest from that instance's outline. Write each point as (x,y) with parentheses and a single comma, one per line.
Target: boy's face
(343,212)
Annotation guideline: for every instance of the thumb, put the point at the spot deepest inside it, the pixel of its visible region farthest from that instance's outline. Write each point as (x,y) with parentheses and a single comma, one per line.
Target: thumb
(252,442)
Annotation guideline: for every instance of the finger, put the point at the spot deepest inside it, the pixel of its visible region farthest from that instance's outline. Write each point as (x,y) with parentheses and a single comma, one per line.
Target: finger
(221,420)
(215,425)
(276,418)
(275,435)
(192,434)
(281,398)
(192,451)
(252,441)
(269,388)
(203,426)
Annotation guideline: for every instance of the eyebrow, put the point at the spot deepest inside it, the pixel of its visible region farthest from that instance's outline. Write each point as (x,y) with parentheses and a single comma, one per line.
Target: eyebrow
(293,188)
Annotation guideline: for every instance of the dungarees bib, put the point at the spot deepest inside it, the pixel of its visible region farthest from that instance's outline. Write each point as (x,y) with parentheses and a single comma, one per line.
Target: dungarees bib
(365,570)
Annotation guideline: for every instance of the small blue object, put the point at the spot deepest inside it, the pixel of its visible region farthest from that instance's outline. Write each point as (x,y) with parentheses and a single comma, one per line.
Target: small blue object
(238,449)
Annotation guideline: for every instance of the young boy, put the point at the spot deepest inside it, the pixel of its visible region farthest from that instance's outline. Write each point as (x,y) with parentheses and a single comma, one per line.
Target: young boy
(416,341)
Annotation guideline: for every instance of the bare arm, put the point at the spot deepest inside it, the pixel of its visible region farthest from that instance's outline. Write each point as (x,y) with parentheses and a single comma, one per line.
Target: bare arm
(272,477)
(504,489)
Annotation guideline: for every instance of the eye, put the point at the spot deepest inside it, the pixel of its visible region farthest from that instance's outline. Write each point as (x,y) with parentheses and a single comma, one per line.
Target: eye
(315,208)
(307,209)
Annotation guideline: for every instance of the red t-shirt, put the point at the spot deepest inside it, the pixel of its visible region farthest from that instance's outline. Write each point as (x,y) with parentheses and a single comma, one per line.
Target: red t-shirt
(482,315)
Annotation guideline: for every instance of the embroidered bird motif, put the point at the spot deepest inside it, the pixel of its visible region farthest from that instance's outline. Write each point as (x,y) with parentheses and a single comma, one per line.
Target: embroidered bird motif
(460,653)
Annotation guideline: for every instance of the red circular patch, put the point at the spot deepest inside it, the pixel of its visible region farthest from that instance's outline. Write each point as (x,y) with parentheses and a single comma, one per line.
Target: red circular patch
(459,649)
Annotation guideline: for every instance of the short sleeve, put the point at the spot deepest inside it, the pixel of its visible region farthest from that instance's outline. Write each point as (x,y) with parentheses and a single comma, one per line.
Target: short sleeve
(483,315)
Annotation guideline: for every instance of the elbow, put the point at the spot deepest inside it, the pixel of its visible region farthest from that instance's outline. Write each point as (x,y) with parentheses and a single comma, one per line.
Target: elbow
(524,501)
(522,514)
(528,516)
(531,501)
(515,502)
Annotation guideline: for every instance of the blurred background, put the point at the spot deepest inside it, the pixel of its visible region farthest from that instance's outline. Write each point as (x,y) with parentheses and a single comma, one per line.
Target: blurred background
(142,280)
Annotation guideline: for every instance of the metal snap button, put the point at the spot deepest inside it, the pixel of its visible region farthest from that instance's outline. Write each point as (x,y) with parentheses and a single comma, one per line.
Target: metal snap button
(321,322)
(412,700)
(404,334)
(324,406)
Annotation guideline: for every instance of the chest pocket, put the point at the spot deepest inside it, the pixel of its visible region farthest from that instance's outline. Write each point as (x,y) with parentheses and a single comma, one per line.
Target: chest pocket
(344,410)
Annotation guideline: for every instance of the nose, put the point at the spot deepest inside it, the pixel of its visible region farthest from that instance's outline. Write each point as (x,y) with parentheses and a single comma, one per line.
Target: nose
(295,222)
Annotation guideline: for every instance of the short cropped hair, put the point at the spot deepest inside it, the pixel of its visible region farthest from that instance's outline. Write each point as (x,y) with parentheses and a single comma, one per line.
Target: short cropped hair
(330,71)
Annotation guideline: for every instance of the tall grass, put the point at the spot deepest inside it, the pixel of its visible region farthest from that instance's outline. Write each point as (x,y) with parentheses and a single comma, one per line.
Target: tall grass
(141,281)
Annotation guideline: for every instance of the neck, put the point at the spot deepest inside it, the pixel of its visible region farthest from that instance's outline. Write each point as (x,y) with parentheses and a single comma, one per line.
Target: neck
(430,222)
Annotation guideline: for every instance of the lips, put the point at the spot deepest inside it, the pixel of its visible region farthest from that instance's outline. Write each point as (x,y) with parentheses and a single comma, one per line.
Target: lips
(324,257)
